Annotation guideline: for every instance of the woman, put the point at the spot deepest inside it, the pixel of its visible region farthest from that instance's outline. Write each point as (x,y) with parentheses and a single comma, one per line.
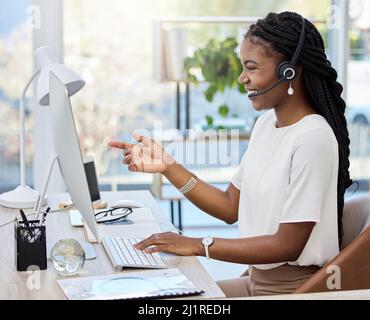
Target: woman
(287,194)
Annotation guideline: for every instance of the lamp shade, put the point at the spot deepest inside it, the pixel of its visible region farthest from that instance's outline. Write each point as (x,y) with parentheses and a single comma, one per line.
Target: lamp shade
(46,61)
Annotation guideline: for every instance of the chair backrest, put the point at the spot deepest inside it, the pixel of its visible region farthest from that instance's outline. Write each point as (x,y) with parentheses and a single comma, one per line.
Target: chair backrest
(356,218)
(353,261)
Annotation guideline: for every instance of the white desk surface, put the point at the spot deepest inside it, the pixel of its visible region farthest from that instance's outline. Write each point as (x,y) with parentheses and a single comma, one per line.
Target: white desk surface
(21,285)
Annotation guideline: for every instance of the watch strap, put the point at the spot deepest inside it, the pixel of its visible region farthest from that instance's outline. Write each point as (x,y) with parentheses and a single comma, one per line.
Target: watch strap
(207,252)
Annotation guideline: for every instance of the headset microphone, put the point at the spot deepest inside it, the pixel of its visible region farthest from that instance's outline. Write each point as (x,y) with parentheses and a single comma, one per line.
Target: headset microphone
(286,69)
(252,95)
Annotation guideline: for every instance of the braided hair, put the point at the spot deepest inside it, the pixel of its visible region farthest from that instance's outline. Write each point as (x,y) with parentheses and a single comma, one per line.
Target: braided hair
(280,32)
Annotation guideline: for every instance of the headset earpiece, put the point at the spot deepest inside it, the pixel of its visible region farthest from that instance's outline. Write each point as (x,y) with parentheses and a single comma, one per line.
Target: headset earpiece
(286,70)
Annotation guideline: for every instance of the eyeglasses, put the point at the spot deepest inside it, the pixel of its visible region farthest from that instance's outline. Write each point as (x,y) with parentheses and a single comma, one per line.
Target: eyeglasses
(112,215)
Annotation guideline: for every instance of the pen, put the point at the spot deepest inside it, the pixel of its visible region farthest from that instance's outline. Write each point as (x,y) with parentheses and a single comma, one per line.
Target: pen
(24,218)
(44,216)
(26,223)
(38,234)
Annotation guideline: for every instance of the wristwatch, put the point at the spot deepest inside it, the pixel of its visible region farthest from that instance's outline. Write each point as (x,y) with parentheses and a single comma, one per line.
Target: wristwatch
(207,242)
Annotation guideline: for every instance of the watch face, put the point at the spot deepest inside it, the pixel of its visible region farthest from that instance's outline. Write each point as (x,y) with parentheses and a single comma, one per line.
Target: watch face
(207,241)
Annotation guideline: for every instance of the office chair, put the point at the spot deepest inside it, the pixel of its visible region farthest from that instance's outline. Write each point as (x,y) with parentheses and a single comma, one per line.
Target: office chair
(353,259)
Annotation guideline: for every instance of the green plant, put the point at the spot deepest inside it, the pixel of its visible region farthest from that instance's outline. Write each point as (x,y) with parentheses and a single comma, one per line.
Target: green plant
(220,67)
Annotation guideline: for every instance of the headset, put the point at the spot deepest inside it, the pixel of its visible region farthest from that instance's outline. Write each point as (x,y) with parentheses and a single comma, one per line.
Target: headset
(286,69)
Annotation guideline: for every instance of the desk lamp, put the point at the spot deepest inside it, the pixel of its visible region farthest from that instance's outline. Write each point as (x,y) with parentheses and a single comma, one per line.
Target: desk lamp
(45,61)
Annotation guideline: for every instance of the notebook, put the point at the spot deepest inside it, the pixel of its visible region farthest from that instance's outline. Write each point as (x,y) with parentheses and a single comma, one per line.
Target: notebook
(129,285)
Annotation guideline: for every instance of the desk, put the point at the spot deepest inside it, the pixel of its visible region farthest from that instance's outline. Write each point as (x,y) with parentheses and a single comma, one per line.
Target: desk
(19,285)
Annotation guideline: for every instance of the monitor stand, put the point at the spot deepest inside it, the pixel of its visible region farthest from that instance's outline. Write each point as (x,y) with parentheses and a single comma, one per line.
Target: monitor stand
(37,208)
(38,203)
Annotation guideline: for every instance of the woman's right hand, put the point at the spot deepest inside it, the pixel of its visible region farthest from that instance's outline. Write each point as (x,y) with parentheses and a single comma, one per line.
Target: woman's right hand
(146,156)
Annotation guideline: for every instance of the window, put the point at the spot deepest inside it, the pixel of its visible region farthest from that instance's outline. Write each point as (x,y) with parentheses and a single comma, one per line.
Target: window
(111,46)
(15,70)
(358,96)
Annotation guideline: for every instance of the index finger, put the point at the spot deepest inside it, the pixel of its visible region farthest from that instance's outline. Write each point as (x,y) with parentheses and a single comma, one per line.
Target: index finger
(120,145)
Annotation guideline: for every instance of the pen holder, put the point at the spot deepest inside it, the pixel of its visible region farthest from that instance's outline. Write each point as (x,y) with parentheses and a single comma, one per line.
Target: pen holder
(30,245)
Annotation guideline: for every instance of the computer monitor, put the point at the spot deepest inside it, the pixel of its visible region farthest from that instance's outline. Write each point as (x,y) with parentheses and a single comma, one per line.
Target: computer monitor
(68,152)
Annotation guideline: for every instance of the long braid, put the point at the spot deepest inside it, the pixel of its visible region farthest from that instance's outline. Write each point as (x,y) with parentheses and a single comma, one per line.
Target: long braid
(281,32)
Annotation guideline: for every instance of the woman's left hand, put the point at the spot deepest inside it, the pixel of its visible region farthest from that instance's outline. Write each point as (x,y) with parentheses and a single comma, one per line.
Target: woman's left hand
(171,242)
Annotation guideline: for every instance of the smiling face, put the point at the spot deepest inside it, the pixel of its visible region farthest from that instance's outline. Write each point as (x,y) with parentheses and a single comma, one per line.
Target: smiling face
(259,73)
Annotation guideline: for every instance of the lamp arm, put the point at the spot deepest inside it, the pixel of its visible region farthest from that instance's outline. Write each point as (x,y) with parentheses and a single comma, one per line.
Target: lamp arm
(22,130)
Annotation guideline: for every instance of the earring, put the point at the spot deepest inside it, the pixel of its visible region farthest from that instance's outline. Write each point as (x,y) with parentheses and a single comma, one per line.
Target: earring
(290,90)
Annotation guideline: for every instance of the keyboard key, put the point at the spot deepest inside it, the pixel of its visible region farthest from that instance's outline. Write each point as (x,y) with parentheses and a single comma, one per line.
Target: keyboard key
(119,251)
(112,250)
(127,257)
(140,253)
(143,257)
(158,259)
(126,253)
(151,260)
(132,251)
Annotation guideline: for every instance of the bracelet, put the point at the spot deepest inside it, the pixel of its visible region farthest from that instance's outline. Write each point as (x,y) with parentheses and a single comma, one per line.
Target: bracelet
(189,185)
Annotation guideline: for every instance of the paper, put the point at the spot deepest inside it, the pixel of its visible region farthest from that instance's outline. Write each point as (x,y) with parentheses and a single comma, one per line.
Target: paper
(129,285)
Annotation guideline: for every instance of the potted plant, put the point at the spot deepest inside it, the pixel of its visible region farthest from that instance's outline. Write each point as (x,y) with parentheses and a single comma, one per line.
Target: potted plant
(220,67)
